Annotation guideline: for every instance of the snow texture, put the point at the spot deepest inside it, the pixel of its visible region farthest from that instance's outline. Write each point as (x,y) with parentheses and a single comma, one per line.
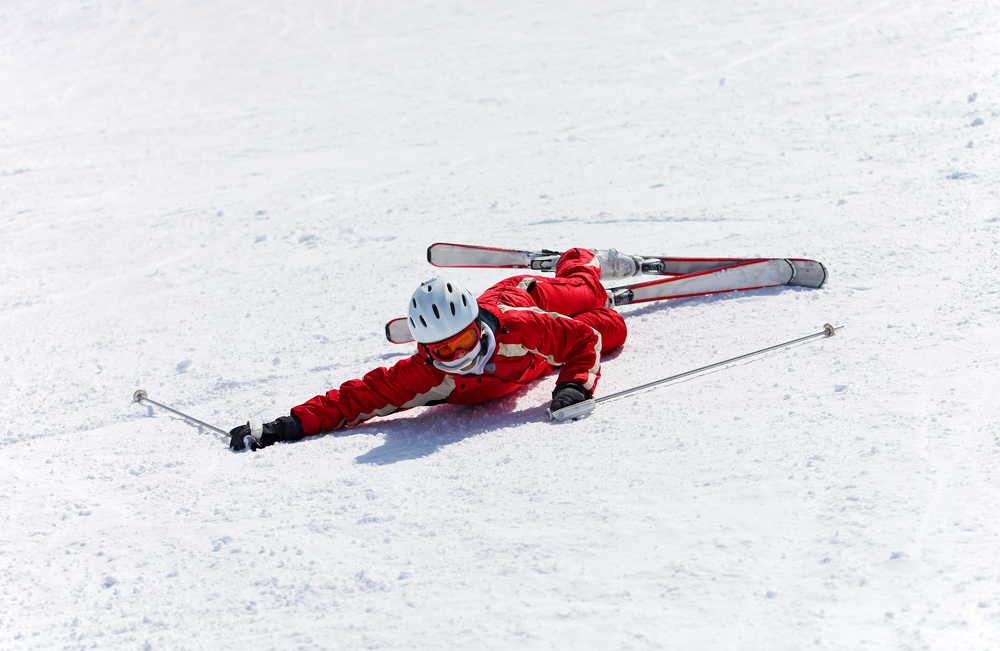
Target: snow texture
(224,202)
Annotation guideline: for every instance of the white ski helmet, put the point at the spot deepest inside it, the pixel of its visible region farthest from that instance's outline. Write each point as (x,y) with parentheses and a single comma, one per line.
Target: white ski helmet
(439,309)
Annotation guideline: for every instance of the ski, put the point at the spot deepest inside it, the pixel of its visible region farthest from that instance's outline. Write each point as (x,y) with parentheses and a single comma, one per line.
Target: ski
(740,275)
(397,331)
(465,255)
(687,277)
(444,254)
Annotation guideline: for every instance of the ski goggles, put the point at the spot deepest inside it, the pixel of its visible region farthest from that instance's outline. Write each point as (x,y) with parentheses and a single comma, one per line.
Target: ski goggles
(455,347)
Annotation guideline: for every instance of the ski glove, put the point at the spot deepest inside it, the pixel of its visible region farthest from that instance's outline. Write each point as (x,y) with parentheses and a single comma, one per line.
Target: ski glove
(568,393)
(260,435)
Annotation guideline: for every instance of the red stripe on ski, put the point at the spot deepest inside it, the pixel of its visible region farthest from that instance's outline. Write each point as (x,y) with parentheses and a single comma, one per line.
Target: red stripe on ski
(741,262)
(717,291)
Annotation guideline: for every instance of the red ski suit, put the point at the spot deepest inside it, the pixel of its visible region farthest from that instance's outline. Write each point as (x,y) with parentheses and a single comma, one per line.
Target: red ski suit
(543,322)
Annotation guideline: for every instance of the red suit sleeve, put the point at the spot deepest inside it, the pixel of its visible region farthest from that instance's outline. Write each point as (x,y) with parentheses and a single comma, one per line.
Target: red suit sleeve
(561,340)
(408,383)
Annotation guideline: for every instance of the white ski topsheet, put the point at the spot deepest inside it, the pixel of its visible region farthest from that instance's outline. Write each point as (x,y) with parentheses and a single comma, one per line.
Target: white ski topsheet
(461,255)
(749,275)
(470,255)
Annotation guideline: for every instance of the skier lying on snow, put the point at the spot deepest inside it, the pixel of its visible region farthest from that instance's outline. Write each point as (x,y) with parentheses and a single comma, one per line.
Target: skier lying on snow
(473,350)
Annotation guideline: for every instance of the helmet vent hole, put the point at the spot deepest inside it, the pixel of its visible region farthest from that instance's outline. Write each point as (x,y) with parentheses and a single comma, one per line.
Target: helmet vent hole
(414,302)
(412,323)
(450,290)
(465,303)
(422,321)
(436,313)
(452,309)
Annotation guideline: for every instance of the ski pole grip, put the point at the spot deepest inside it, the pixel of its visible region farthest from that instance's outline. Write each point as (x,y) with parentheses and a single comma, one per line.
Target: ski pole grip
(572,412)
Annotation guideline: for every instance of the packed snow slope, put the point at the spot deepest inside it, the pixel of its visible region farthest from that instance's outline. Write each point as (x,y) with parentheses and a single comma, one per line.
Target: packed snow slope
(223,202)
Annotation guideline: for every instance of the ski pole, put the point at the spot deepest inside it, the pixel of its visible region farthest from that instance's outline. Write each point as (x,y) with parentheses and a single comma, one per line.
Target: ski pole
(140,396)
(587,406)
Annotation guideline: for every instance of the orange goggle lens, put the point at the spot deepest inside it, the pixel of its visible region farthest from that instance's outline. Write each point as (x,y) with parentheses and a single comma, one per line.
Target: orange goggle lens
(457,346)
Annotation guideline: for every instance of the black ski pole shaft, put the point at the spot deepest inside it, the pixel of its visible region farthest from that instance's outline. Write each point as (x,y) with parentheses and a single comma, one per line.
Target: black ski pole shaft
(587,406)
(140,396)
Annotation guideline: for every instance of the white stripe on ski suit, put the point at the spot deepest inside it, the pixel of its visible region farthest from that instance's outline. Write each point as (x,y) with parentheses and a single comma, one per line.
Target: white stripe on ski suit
(440,392)
(519,350)
(443,390)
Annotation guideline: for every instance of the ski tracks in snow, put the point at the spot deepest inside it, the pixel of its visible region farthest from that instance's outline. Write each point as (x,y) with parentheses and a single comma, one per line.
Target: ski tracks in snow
(803,30)
(223,204)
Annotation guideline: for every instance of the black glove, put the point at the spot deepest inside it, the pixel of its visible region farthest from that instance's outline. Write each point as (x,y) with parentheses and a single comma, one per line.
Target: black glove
(286,428)
(568,393)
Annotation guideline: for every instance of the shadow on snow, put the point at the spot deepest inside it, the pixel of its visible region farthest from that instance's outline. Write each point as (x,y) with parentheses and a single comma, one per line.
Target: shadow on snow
(435,427)
(431,428)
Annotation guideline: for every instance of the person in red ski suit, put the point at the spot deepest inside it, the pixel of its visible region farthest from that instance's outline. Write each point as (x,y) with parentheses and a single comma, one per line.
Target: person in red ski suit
(518,330)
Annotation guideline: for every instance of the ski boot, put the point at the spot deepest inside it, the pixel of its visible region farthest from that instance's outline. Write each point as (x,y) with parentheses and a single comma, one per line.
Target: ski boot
(618,265)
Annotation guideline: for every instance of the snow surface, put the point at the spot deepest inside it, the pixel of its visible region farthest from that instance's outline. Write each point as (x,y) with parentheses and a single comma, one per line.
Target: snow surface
(223,203)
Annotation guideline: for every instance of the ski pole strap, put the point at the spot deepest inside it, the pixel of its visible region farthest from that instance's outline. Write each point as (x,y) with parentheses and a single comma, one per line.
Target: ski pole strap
(572,412)
(583,408)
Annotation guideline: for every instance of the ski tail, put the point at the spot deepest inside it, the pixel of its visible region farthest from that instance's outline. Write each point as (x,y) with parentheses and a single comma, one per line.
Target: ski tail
(465,255)
(397,331)
(808,273)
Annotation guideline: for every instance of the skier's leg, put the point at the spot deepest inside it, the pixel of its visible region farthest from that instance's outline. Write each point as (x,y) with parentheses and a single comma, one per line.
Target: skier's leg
(577,261)
(576,288)
(609,323)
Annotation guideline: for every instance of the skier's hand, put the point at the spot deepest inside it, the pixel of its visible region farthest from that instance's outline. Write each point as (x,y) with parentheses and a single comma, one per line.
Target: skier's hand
(568,393)
(243,436)
(256,434)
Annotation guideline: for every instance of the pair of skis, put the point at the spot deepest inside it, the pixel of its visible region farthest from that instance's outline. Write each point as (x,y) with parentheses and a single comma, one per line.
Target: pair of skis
(686,276)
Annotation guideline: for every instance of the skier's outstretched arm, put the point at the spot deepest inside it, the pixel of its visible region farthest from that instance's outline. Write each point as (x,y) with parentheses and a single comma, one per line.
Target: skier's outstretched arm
(408,383)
